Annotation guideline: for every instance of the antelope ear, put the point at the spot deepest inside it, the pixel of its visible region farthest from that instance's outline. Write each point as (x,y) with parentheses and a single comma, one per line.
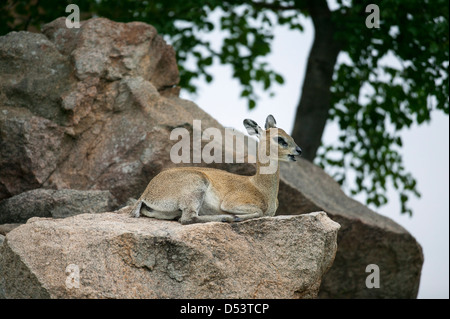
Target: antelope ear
(270,122)
(252,127)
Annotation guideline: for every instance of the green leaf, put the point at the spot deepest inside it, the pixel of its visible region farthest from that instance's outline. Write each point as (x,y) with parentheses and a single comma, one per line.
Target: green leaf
(279,79)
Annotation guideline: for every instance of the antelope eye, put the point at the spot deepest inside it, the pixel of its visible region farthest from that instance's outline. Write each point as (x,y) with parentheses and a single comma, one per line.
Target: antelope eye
(281,141)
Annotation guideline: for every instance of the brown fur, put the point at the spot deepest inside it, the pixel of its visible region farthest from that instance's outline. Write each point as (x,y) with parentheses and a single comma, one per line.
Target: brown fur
(198,194)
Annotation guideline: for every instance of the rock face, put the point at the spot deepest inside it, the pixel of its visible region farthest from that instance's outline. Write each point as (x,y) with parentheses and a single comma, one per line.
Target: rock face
(54,203)
(75,107)
(93,109)
(113,255)
(365,238)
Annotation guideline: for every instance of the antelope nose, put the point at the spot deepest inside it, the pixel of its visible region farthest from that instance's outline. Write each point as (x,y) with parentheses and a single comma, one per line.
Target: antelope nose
(299,150)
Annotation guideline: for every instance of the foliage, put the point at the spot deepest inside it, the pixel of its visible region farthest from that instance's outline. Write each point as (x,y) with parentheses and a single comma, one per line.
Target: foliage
(368,94)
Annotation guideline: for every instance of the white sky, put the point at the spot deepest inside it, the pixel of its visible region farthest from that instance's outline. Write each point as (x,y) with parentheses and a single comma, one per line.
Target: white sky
(425,148)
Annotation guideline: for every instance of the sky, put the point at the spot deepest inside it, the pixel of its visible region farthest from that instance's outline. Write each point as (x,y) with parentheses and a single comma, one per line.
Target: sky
(425,148)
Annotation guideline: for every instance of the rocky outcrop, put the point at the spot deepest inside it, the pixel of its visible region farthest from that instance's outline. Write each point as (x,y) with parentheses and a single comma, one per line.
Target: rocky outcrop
(113,255)
(54,203)
(93,109)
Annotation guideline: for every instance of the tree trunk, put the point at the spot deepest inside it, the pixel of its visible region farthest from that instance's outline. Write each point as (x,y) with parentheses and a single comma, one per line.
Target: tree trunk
(315,101)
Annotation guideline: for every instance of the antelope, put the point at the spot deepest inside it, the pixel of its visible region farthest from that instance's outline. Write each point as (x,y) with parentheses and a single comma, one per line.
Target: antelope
(199,194)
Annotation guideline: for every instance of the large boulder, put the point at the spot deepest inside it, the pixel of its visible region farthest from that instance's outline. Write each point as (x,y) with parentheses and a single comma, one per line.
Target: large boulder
(113,255)
(365,238)
(81,108)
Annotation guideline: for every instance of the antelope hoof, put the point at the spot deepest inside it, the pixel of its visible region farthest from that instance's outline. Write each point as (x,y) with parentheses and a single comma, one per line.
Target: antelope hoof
(228,219)
(187,221)
(134,213)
